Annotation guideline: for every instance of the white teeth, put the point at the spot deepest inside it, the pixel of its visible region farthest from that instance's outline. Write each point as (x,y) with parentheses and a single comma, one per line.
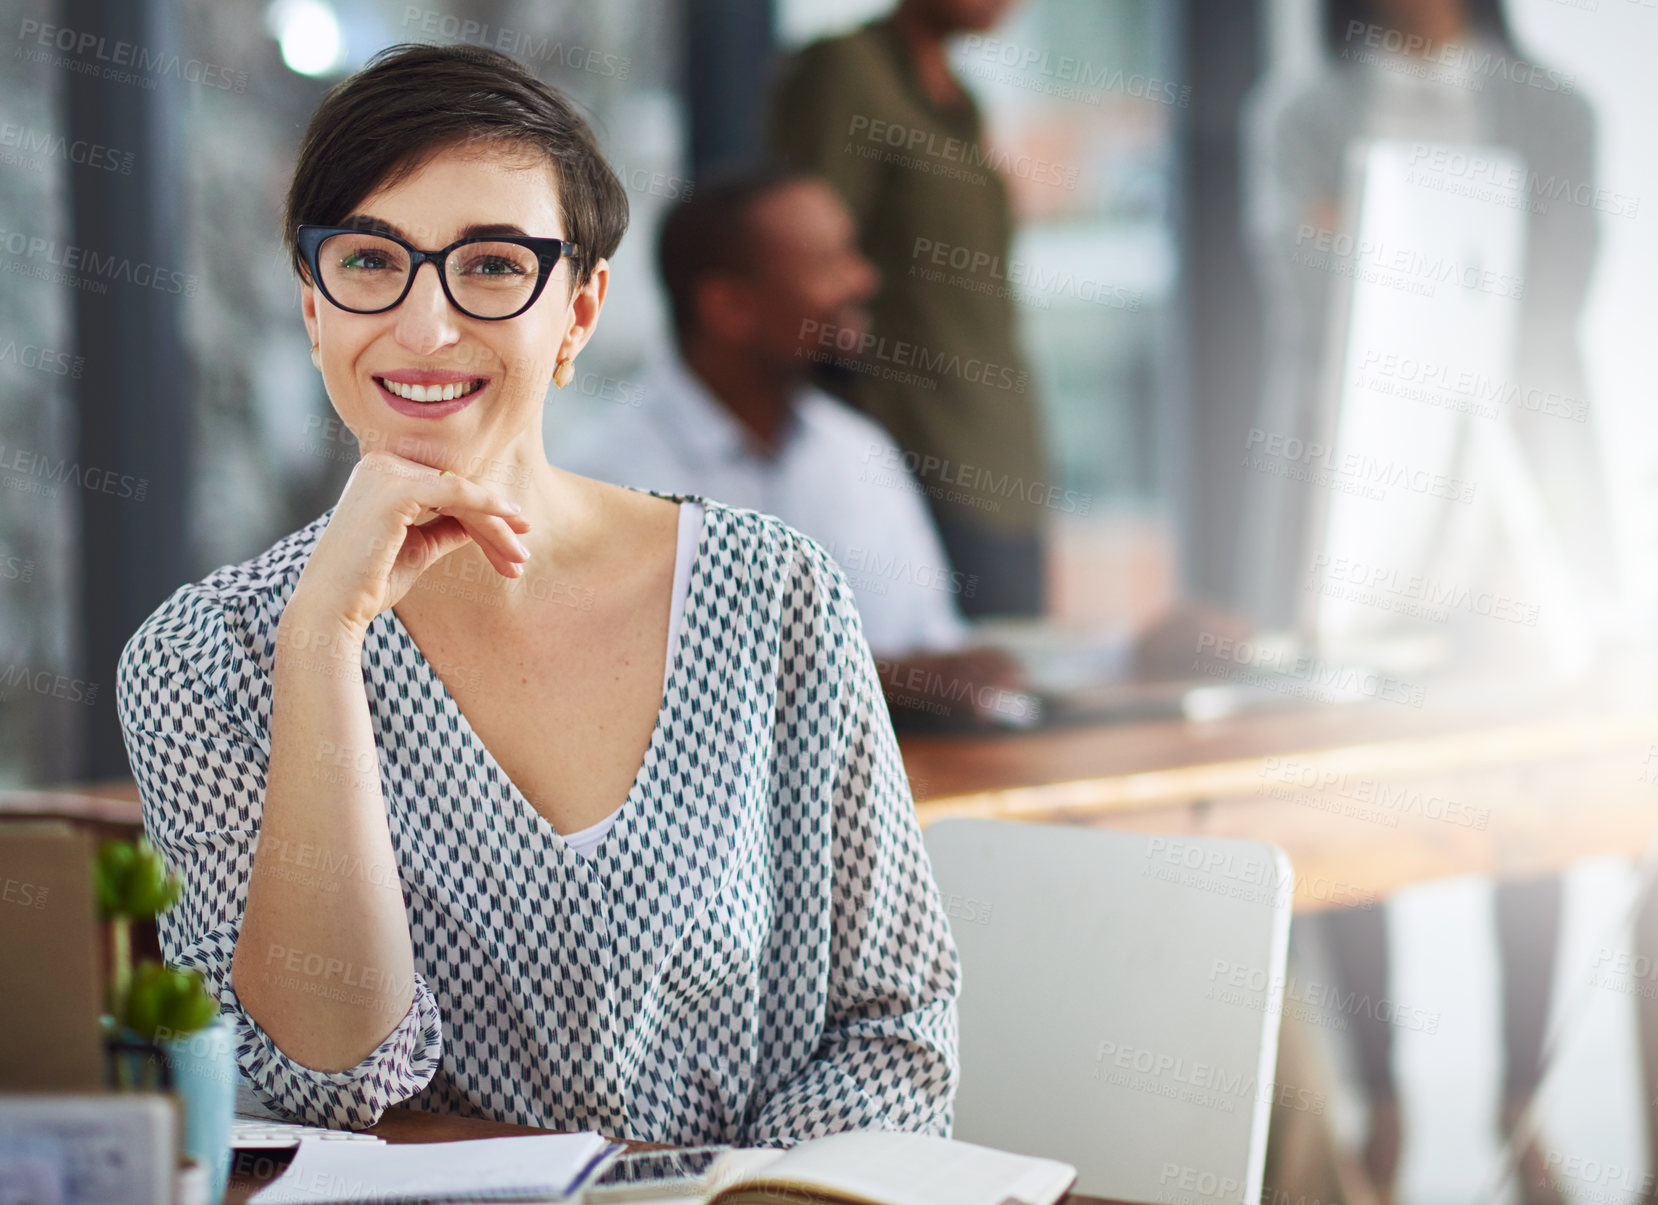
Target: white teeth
(431,393)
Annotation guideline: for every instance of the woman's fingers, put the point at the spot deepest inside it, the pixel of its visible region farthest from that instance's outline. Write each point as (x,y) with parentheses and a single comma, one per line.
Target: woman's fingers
(396,518)
(429,497)
(495,522)
(437,539)
(497,541)
(451,492)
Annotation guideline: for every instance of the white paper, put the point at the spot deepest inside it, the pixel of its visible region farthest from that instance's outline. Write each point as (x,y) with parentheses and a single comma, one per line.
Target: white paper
(917,1169)
(538,1165)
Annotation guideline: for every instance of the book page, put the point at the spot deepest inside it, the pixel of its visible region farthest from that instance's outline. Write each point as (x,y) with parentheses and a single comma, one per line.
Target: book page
(907,1169)
(530,1166)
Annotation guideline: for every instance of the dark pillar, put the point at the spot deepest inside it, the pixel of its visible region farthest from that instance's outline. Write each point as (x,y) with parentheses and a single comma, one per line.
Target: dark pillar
(1221,52)
(728,48)
(133,400)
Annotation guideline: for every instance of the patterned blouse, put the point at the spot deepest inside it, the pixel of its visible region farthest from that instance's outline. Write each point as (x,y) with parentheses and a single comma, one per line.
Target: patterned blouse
(756,953)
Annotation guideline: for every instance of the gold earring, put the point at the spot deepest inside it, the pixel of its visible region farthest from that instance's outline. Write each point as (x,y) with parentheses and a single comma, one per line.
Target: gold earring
(316,356)
(565,370)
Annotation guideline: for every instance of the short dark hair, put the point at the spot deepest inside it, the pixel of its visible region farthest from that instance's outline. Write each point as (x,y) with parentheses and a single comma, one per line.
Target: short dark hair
(708,233)
(411,101)
(1340,16)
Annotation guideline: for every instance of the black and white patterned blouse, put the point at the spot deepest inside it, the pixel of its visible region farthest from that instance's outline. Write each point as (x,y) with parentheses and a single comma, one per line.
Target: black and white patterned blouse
(755,953)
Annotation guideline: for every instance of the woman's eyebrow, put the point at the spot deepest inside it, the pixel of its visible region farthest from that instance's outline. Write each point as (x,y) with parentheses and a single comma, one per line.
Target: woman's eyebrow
(476,230)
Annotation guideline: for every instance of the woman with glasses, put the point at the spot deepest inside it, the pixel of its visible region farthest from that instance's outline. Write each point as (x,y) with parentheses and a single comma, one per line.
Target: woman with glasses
(501,791)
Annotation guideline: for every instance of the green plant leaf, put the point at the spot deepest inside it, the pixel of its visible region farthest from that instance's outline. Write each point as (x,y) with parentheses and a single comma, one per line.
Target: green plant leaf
(192,1006)
(168,1002)
(146,999)
(110,873)
(133,880)
(152,889)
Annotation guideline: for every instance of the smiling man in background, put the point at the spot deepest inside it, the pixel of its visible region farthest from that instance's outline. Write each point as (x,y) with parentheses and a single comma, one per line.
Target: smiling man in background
(756,267)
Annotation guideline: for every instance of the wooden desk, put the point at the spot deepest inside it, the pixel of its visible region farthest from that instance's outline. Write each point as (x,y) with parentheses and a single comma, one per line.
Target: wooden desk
(1538,780)
(1548,779)
(252,1169)
(106,808)
(1522,783)
(1365,798)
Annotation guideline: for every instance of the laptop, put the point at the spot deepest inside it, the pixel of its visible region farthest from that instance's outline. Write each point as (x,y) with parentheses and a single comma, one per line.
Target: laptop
(1078,679)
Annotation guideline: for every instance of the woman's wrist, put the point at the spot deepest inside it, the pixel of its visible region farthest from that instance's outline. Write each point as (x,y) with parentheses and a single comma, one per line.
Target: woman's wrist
(306,635)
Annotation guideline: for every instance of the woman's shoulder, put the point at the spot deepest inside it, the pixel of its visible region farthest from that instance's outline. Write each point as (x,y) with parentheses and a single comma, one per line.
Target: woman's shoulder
(227,619)
(254,588)
(771,564)
(732,533)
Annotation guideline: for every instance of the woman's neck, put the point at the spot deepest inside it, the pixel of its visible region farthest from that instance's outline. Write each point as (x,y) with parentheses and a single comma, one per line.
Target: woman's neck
(563,515)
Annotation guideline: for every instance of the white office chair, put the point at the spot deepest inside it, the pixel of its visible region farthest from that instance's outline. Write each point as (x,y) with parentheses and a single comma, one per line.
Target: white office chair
(1120,1001)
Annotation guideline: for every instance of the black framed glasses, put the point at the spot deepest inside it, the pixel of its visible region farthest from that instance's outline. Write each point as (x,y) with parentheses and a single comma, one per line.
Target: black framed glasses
(368,272)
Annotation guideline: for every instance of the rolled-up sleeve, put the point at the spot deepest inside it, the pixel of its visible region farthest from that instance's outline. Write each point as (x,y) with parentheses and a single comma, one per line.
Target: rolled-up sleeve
(887,1057)
(184,692)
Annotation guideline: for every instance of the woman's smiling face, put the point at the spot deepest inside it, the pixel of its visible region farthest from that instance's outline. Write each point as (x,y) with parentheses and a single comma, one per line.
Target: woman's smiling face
(500,370)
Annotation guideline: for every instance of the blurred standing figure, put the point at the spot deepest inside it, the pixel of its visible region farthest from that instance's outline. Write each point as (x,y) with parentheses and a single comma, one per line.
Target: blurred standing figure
(1445,72)
(878,113)
(1467,83)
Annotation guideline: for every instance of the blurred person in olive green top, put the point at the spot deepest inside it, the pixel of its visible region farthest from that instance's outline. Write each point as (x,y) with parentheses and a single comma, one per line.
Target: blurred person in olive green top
(878,114)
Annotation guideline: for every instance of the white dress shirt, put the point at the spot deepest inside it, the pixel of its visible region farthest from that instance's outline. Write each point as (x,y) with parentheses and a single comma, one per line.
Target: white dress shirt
(837,477)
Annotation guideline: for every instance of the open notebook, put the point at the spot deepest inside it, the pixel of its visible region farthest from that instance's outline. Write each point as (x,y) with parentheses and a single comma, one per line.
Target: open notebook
(873,1167)
(534,1167)
(865,1167)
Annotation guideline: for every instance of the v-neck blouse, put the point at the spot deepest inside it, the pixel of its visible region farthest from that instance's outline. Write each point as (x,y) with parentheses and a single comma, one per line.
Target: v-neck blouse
(585,840)
(755,953)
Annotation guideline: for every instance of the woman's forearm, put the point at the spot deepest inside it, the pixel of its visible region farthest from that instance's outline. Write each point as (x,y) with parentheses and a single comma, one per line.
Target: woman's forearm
(324,961)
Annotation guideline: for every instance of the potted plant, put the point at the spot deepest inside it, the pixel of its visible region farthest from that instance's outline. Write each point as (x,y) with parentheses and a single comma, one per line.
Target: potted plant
(152,1006)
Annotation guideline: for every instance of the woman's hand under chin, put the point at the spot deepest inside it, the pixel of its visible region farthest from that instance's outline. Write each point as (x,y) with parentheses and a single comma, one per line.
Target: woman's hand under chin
(396,518)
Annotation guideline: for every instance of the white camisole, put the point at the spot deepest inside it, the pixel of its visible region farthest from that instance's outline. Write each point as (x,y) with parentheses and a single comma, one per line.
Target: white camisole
(586,840)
